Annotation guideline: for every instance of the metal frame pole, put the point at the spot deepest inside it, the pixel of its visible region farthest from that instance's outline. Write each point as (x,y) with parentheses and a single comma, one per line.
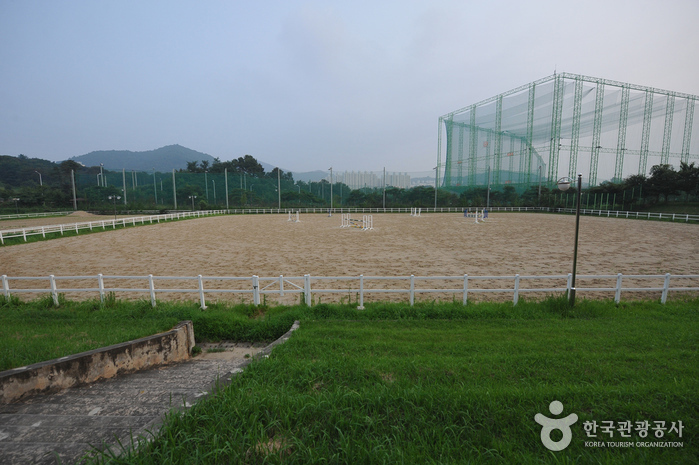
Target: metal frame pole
(577,234)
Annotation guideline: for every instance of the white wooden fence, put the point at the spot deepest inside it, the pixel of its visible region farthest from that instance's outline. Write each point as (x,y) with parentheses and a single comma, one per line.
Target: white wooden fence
(33,215)
(254,286)
(100,224)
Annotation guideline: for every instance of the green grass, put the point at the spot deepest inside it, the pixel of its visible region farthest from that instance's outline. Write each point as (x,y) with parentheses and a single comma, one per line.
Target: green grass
(449,384)
(37,331)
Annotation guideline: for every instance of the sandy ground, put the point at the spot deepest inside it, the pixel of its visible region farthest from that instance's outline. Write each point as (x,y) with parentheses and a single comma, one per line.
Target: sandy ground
(400,245)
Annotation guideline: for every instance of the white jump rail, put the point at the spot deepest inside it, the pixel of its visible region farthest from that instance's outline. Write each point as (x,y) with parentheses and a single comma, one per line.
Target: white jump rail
(254,286)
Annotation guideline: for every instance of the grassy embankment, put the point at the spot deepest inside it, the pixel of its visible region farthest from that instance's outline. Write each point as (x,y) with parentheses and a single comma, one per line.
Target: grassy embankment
(436,383)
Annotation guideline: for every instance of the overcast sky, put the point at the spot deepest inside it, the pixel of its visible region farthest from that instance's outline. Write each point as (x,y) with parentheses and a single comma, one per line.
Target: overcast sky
(356,85)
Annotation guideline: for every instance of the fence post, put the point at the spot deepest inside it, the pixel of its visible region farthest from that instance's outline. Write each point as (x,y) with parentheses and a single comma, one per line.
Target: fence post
(201,293)
(307,288)
(2,241)
(54,292)
(100,285)
(465,289)
(361,292)
(24,233)
(43,232)
(569,284)
(152,290)
(281,285)
(256,290)
(515,299)
(5,287)
(412,290)
(666,287)
(617,295)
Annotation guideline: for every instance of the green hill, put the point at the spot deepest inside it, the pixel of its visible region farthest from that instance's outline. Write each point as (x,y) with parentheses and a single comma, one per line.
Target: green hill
(163,159)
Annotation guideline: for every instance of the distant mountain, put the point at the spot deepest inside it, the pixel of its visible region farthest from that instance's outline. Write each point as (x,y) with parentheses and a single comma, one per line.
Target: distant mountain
(313,176)
(163,159)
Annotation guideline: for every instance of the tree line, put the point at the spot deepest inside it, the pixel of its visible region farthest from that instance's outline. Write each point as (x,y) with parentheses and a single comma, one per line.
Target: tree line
(29,184)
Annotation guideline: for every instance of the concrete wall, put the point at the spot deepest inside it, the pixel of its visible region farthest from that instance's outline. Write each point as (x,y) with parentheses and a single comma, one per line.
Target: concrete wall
(107,362)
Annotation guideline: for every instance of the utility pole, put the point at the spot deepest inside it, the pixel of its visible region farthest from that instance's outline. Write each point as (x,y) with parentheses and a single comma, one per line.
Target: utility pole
(75,200)
(279,188)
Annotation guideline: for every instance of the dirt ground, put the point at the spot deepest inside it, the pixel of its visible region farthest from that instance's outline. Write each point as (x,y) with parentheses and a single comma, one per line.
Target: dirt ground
(400,245)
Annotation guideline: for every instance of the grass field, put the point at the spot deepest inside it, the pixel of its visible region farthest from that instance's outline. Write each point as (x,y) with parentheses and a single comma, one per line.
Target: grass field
(448,384)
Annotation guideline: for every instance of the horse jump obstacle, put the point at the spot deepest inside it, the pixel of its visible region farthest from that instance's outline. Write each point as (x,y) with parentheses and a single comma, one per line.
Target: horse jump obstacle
(365,224)
(482,215)
(294,218)
(415,211)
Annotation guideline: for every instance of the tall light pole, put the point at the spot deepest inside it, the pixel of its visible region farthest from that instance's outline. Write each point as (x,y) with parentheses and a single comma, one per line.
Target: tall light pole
(206,185)
(104,182)
(192,197)
(114,198)
(214,183)
(564,185)
(16,199)
(41,183)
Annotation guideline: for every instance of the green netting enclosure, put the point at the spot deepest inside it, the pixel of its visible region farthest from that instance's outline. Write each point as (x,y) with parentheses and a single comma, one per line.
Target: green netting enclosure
(562,125)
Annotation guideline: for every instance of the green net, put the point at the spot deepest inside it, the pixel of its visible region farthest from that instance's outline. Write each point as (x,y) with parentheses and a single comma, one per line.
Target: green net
(563,125)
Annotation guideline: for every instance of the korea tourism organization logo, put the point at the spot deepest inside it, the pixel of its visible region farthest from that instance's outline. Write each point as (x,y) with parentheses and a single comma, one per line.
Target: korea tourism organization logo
(599,432)
(550,424)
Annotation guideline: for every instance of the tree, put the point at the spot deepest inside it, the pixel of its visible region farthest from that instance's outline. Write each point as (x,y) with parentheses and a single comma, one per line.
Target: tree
(663,181)
(688,179)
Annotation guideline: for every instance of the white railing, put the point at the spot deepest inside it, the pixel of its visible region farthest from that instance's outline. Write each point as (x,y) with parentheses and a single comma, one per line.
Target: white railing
(19,216)
(100,224)
(254,286)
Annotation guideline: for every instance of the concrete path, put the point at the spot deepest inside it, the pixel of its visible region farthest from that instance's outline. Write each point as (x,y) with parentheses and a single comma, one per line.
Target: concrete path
(66,425)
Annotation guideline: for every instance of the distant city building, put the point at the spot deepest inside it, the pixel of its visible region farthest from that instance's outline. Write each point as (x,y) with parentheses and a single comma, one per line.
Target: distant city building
(371,180)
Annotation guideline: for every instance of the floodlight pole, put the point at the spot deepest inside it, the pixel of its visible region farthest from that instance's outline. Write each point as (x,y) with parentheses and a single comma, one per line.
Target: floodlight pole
(279,189)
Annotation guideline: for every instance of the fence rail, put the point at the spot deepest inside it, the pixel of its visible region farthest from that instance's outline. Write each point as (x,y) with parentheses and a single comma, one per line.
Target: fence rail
(103,224)
(19,216)
(255,286)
